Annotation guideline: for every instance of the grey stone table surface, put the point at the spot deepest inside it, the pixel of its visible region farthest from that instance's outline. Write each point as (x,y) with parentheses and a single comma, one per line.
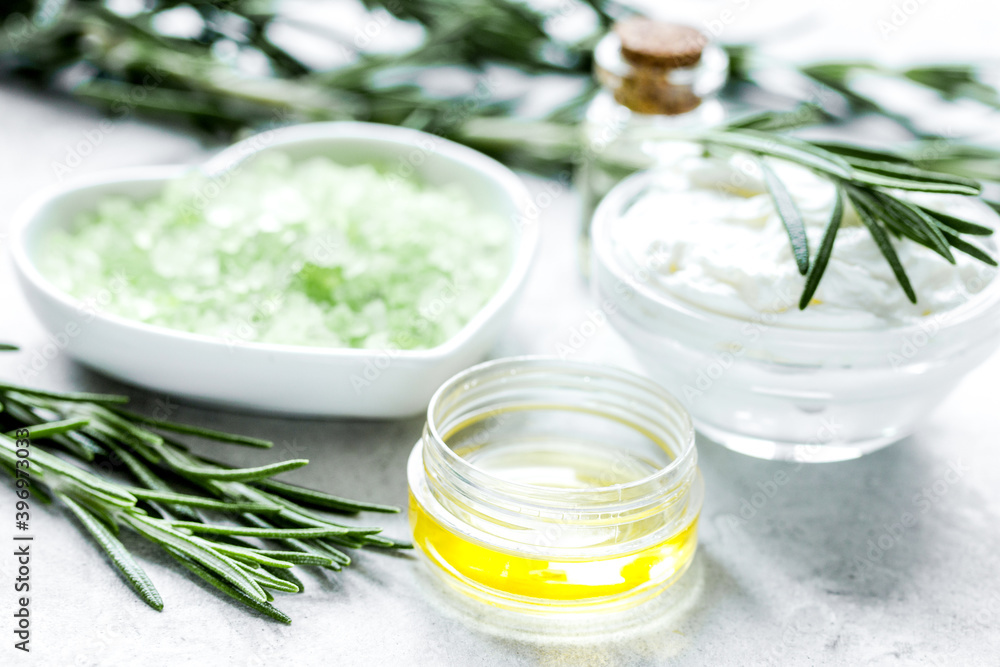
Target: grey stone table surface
(816,571)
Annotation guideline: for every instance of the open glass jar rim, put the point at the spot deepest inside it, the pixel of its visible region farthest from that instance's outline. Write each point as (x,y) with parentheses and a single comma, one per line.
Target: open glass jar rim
(642,392)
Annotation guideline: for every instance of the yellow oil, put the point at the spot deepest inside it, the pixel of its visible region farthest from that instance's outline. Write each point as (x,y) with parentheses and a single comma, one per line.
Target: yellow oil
(565,465)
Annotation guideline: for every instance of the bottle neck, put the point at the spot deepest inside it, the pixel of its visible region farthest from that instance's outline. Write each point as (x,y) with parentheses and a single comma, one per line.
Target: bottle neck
(655,90)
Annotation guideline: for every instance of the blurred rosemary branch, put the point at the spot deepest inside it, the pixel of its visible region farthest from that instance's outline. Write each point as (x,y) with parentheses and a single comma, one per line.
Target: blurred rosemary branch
(127,63)
(124,64)
(831,85)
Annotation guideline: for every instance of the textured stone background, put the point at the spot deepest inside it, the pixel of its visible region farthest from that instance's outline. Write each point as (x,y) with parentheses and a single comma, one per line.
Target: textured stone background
(797,583)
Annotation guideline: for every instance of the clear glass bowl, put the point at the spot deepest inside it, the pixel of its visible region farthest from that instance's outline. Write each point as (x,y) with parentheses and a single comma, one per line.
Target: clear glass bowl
(555,488)
(783,393)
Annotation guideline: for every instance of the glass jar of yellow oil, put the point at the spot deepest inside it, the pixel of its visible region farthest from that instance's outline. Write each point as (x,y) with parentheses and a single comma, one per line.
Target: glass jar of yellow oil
(553,486)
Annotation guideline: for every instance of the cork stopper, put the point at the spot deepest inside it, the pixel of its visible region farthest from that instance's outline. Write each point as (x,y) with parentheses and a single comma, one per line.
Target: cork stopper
(649,65)
(656,44)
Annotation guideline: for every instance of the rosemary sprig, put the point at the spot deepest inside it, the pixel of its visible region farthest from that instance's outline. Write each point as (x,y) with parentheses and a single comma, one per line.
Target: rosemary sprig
(869,178)
(167,488)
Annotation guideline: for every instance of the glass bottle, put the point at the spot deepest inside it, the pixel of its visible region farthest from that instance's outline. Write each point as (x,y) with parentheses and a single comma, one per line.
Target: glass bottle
(653,76)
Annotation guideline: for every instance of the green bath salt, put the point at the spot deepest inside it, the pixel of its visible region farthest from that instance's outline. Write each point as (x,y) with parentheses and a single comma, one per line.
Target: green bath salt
(299,253)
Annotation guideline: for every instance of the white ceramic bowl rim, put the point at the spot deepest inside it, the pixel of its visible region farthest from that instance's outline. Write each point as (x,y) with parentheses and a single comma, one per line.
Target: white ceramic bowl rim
(523,252)
(986,302)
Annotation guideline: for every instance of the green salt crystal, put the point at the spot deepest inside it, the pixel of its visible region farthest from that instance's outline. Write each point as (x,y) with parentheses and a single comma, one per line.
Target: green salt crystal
(310,253)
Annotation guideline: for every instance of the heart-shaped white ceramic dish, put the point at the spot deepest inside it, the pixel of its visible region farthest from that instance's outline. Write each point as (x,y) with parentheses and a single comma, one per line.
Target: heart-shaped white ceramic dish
(307,381)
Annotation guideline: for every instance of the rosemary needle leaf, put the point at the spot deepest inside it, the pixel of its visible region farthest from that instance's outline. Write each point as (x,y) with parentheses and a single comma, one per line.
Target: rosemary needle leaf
(304,517)
(385,542)
(8,347)
(269,533)
(19,410)
(863,206)
(296,557)
(84,397)
(320,549)
(105,433)
(137,468)
(124,425)
(118,554)
(252,557)
(245,562)
(185,466)
(777,121)
(824,252)
(80,444)
(37,492)
(349,541)
(915,174)
(44,463)
(267,580)
(859,152)
(202,502)
(779,146)
(161,532)
(391,542)
(99,511)
(886,181)
(968,248)
(288,576)
(902,229)
(206,433)
(927,223)
(145,476)
(790,216)
(909,216)
(48,429)
(219,584)
(957,224)
(340,559)
(320,499)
